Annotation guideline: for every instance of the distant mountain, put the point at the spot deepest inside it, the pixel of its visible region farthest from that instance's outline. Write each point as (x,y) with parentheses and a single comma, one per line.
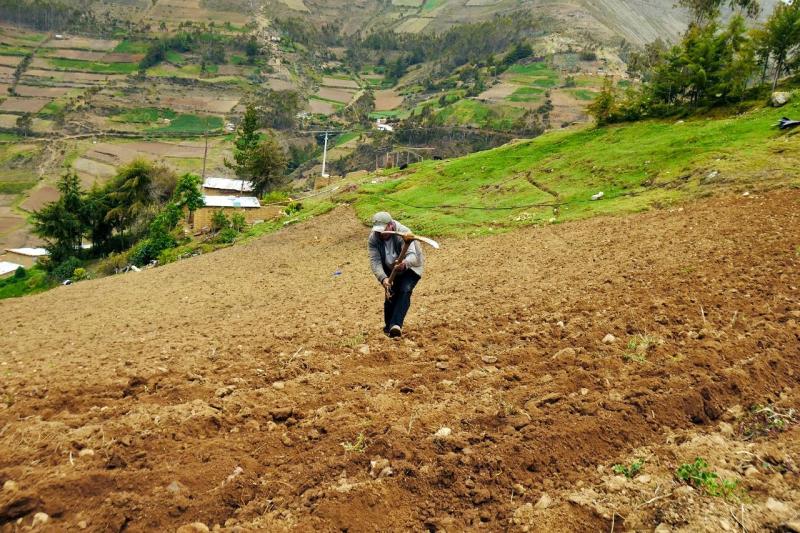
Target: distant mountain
(637,21)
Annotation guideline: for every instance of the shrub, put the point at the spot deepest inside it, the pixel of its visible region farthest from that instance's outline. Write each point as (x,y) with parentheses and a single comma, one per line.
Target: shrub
(65,269)
(238,222)
(293,208)
(227,236)
(219,220)
(80,274)
(20,273)
(114,263)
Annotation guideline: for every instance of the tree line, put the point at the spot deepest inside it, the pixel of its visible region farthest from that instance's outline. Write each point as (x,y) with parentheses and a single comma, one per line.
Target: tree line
(713,64)
(138,209)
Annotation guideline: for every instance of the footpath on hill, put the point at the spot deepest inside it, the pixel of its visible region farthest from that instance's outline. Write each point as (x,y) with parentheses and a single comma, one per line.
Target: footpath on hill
(253,388)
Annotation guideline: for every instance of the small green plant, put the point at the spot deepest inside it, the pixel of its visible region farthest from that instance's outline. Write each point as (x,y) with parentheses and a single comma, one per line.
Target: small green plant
(238,222)
(80,274)
(227,236)
(293,208)
(631,471)
(639,345)
(219,220)
(698,475)
(762,421)
(359,446)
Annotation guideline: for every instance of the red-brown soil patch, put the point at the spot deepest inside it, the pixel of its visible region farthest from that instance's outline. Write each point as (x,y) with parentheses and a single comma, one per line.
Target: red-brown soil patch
(221,389)
(15,104)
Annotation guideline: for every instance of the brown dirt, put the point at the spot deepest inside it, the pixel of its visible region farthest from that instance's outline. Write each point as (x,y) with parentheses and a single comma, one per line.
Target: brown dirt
(327,81)
(23,105)
(338,95)
(10,61)
(39,197)
(46,92)
(84,55)
(387,100)
(221,389)
(82,43)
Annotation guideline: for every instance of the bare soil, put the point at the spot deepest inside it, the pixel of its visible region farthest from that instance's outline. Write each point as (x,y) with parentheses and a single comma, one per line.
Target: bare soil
(252,387)
(39,197)
(23,105)
(387,100)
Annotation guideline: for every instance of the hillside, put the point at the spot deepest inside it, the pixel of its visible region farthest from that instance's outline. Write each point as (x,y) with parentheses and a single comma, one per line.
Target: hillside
(252,387)
(637,21)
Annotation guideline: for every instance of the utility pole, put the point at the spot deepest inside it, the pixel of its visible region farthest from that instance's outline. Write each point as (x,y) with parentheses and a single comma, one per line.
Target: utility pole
(205,152)
(325,156)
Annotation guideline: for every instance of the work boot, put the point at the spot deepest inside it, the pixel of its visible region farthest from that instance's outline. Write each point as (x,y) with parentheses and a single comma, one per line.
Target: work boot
(395,331)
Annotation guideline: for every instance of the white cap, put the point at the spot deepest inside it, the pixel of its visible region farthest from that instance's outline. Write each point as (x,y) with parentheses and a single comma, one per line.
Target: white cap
(380,221)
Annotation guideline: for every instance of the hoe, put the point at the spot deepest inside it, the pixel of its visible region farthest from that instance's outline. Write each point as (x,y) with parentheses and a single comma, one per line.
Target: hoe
(408,238)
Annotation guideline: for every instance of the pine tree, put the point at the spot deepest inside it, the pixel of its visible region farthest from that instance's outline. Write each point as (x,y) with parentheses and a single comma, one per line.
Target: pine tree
(247,138)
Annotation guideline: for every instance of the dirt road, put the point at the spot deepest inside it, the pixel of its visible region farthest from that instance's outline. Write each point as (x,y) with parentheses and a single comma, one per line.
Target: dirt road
(252,387)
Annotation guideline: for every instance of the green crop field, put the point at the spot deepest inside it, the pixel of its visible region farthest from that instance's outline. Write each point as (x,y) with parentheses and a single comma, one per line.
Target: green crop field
(190,124)
(636,166)
(527,94)
(583,94)
(131,47)
(144,115)
(93,66)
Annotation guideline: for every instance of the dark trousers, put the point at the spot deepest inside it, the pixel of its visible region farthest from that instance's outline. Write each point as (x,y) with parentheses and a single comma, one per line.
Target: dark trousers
(395,308)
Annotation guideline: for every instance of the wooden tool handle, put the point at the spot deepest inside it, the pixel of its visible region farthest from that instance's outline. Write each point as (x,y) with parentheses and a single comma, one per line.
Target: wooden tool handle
(395,269)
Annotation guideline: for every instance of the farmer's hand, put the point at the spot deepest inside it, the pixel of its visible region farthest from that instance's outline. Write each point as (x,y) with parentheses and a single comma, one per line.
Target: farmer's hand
(401,266)
(385,283)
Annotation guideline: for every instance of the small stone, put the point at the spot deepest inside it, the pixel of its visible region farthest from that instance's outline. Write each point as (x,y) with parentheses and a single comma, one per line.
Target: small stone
(778,507)
(683,490)
(609,339)
(726,429)
(446,383)
(519,489)
(662,528)
(443,433)
(10,486)
(565,353)
(560,323)
(40,519)
(643,479)
(584,391)
(224,391)
(363,349)
(442,365)
(286,440)
(196,527)
(489,359)
(724,524)
(279,385)
(792,525)
(544,502)
(616,483)
(175,487)
(86,452)
(751,471)
(83,524)
(380,468)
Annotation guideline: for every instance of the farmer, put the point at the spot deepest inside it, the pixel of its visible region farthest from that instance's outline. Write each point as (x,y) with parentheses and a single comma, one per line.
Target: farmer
(384,251)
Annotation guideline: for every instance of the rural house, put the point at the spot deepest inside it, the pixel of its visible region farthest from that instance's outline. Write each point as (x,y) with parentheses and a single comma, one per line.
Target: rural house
(249,206)
(226,187)
(26,257)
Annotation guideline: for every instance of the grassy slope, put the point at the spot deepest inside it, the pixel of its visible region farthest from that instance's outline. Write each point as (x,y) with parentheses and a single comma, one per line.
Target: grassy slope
(637,166)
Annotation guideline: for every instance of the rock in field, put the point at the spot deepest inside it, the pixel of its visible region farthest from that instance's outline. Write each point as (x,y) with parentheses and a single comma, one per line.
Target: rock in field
(780,99)
(40,519)
(609,339)
(443,433)
(196,527)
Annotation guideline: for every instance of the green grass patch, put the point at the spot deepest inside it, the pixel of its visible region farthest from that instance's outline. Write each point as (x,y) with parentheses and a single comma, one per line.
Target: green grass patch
(527,94)
(144,115)
(638,166)
(9,137)
(8,50)
(176,58)
(190,124)
(15,187)
(34,280)
(347,137)
(93,66)
(584,94)
(53,108)
(430,5)
(131,47)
